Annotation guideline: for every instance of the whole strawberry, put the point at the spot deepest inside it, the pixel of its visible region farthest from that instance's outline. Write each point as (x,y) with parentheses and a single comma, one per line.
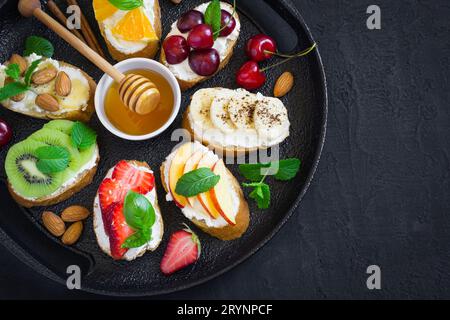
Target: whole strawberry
(183,250)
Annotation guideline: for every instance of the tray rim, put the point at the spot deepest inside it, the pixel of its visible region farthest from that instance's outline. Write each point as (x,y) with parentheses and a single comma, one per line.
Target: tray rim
(21,254)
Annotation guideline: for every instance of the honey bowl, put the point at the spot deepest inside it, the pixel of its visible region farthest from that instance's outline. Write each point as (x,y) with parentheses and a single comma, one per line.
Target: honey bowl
(123,122)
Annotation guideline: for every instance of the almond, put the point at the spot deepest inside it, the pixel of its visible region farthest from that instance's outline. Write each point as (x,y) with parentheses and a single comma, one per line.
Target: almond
(47,102)
(72,233)
(18,97)
(63,84)
(44,76)
(75,213)
(53,223)
(283,85)
(20,61)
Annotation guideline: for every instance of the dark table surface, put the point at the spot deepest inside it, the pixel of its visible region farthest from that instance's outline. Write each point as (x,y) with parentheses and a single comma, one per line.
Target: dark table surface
(381,195)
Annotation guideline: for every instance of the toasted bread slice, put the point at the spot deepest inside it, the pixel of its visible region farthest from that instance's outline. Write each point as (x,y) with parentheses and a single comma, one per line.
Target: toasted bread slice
(149,51)
(82,180)
(186,84)
(103,238)
(83,114)
(229,231)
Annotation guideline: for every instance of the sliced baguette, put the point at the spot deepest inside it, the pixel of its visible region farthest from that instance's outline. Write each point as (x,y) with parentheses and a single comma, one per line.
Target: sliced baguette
(83,179)
(148,52)
(187,84)
(229,232)
(103,239)
(83,115)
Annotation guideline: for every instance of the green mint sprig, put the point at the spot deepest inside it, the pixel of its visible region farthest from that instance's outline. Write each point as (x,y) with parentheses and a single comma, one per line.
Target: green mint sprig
(140,216)
(82,136)
(39,46)
(17,87)
(52,159)
(13,71)
(196,182)
(283,170)
(127,5)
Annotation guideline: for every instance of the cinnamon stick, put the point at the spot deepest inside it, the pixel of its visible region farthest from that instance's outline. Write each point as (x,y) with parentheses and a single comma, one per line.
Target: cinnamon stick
(87,31)
(62,18)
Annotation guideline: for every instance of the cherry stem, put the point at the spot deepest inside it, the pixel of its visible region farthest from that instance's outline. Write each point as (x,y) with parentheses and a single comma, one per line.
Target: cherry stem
(226,25)
(289,57)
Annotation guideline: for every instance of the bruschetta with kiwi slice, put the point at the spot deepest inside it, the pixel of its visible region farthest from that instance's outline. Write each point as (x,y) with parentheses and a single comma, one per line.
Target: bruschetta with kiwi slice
(51,165)
(221,211)
(193,50)
(127,217)
(236,121)
(56,89)
(130,29)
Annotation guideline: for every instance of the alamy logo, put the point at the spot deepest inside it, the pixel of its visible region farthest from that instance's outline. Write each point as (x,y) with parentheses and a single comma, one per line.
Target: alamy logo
(74,19)
(74,279)
(374,280)
(374,20)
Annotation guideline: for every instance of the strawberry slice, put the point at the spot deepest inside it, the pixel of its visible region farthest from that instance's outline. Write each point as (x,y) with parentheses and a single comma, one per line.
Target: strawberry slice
(136,179)
(111,191)
(183,249)
(118,229)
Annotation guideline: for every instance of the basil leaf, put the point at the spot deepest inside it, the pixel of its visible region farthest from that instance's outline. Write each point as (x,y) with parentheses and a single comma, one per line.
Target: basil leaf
(138,211)
(196,182)
(137,239)
(30,71)
(126,5)
(39,46)
(288,169)
(13,71)
(52,159)
(12,89)
(213,17)
(82,136)
(261,194)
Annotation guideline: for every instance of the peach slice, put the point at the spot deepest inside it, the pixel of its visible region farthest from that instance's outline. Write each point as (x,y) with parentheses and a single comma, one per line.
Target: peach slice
(176,171)
(191,165)
(208,160)
(221,196)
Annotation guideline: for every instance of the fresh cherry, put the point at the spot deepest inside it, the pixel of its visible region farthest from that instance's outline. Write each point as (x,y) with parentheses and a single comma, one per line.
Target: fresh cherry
(189,20)
(260,48)
(227,24)
(176,49)
(250,77)
(5,133)
(201,37)
(204,62)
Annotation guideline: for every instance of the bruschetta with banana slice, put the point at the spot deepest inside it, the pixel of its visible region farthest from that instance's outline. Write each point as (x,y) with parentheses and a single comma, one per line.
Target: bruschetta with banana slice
(236,121)
(193,50)
(127,217)
(220,211)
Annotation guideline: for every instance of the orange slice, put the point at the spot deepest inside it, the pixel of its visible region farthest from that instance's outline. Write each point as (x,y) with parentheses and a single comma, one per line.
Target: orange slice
(103,9)
(134,26)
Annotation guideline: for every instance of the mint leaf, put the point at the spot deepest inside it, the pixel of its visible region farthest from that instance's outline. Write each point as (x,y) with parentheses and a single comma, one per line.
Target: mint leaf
(137,239)
(13,71)
(82,136)
(39,46)
(253,171)
(52,159)
(30,71)
(261,194)
(126,5)
(196,182)
(288,169)
(213,17)
(138,211)
(12,89)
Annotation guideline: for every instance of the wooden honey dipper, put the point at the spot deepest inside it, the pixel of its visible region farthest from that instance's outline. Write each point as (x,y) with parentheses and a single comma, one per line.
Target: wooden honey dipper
(138,93)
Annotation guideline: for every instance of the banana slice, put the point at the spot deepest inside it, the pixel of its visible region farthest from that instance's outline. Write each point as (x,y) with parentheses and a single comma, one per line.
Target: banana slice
(242,108)
(271,119)
(219,112)
(199,111)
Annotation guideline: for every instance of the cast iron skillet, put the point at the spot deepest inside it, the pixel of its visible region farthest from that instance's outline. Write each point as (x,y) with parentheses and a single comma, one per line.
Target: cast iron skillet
(21,230)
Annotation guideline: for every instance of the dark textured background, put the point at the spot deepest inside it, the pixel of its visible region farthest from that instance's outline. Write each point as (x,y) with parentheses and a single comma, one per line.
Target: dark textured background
(382,191)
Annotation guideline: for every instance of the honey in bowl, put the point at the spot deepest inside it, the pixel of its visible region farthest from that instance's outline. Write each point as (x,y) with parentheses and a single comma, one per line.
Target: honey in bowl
(132,123)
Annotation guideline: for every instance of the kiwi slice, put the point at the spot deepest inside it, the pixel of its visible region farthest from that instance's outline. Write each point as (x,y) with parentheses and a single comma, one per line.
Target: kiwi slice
(65,126)
(23,174)
(54,137)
